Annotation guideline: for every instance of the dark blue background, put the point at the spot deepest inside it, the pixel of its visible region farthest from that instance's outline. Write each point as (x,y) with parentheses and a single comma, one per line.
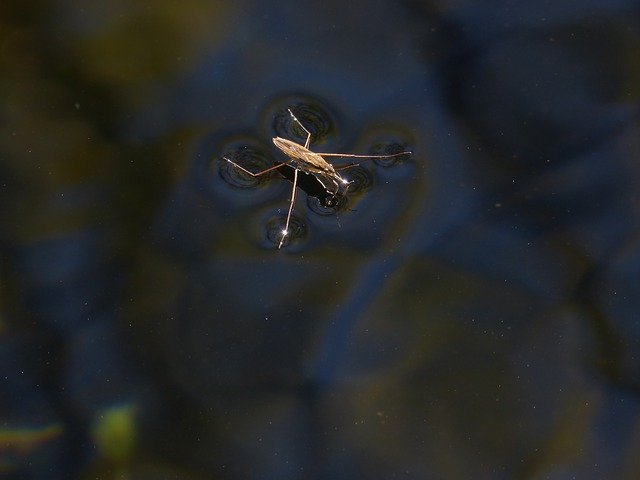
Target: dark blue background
(474,313)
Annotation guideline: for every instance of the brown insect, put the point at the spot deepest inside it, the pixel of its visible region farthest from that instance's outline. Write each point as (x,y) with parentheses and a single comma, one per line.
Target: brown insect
(304,160)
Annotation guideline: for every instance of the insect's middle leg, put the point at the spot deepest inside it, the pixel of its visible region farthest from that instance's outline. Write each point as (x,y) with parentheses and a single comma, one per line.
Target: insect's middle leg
(317,177)
(285,232)
(308,141)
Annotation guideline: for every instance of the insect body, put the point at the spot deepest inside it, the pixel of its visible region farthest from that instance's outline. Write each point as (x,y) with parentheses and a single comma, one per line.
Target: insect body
(310,162)
(304,160)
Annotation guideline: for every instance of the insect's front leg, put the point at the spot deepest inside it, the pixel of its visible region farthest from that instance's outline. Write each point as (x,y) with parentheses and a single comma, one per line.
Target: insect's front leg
(337,187)
(317,177)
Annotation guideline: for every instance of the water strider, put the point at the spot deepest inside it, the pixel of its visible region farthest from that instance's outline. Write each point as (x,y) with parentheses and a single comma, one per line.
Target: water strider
(304,160)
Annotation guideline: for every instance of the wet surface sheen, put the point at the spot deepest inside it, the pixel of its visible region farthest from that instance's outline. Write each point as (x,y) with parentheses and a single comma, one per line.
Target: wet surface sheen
(468,311)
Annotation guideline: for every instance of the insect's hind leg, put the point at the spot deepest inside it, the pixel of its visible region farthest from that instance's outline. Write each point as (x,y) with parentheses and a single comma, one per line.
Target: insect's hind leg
(364,157)
(308,141)
(251,173)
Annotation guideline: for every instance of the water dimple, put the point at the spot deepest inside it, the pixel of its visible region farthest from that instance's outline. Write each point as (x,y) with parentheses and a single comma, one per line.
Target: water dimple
(296,233)
(360,180)
(313,114)
(388,139)
(253,158)
(389,147)
(328,204)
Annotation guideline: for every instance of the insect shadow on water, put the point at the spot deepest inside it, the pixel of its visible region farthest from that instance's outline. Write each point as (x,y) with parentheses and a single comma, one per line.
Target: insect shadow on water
(301,159)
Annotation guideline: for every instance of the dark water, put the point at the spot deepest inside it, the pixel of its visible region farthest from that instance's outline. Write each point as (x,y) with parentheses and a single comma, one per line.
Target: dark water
(472,311)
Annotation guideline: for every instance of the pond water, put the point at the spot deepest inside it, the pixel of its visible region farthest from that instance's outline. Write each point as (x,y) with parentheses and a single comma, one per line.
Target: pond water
(469,310)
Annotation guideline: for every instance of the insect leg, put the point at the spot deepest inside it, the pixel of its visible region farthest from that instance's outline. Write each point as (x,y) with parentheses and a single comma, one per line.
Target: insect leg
(335,182)
(317,177)
(344,167)
(308,141)
(351,155)
(251,173)
(285,232)
(337,187)
(366,157)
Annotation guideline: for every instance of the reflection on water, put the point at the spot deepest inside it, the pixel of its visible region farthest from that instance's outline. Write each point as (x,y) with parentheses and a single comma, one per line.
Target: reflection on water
(469,311)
